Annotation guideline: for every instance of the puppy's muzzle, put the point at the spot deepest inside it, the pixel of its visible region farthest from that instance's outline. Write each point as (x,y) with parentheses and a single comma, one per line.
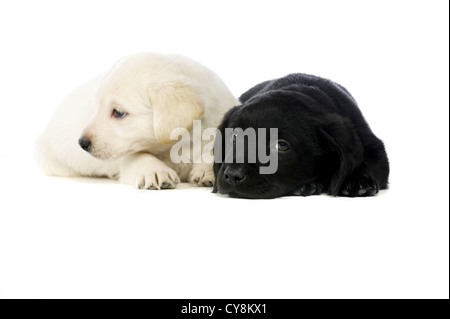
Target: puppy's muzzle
(85,144)
(234,176)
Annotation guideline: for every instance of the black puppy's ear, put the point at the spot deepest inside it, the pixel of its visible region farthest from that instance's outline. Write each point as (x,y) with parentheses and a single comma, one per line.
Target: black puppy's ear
(219,144)
(340,138)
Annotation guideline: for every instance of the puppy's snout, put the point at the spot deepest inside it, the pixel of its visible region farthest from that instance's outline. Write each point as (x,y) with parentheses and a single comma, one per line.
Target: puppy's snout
(234,176)
(85,144)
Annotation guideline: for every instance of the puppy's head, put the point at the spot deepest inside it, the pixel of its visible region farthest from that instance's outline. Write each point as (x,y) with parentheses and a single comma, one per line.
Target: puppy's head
(310,145)
(139,105)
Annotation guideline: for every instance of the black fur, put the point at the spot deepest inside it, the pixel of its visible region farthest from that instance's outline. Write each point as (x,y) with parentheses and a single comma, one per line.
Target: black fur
(332,148)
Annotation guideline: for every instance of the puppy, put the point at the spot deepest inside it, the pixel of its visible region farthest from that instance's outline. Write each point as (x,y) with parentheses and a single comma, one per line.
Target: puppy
(322,143)
(123,124)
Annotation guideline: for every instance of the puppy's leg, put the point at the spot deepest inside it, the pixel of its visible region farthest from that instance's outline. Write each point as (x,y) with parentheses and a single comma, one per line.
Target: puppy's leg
(370,177)
(202,175)
(202,172)
(144,171)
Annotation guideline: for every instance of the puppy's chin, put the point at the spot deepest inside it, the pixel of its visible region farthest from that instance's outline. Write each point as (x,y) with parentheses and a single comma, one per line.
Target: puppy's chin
(254,196)
(106,154)
(262,190)
(102,157)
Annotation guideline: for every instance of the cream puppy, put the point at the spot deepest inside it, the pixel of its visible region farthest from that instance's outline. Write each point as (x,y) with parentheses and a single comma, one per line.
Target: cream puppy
(119,125)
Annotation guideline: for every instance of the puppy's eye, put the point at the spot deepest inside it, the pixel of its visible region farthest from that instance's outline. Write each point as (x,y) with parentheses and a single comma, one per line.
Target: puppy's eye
(282,146)
(234,138)
(118,115)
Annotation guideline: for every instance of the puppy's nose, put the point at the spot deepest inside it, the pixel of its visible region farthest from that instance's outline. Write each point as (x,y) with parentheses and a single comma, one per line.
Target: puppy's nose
(234,176)
(85,144)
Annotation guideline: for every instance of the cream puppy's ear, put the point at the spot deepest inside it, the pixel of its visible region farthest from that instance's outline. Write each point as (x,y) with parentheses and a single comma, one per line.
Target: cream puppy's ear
(175,105)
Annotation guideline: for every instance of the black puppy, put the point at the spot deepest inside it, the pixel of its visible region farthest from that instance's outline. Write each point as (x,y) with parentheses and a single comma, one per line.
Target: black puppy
(324,145)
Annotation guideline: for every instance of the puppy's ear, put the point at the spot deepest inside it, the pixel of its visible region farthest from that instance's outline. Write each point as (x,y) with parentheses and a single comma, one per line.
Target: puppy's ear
(219,144)
(175,105)
(340,138)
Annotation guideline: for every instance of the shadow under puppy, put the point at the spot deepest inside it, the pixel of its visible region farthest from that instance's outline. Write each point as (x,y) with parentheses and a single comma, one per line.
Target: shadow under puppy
(324,144)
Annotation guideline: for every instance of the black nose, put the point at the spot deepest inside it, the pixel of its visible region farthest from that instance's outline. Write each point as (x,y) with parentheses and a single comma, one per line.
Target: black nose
(234,176)
(85,144)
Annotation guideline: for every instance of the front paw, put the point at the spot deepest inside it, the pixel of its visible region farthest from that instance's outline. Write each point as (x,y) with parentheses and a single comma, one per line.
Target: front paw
(162,178)
(309,189)
(202,175)
(359,185)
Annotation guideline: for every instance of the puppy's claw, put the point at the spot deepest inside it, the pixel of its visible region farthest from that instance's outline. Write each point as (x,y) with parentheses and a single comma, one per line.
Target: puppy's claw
(174,177)
(208,183)
(165,185)
(361,192)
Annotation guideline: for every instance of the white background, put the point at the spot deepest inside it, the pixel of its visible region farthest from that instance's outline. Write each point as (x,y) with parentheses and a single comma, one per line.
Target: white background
(75,238)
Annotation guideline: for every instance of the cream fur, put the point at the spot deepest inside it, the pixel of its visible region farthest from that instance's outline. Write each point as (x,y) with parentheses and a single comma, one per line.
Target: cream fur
(159,93)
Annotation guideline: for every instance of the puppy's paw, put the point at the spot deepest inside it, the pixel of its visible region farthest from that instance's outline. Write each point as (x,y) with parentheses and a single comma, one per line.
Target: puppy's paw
(359,185)
(144,171)
(309,189)
(202,175)
(158,178)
